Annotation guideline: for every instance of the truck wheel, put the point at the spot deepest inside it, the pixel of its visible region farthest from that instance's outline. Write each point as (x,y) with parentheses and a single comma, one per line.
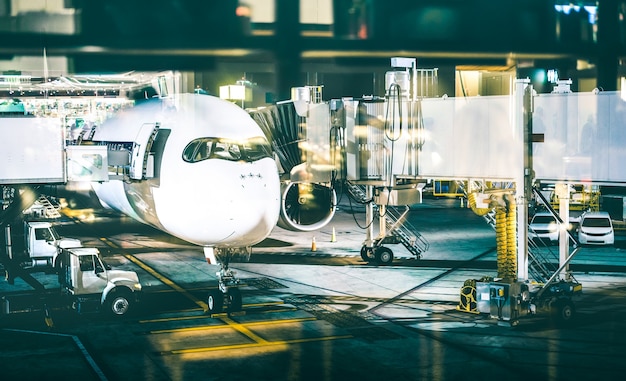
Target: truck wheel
(58,265)
(118,303)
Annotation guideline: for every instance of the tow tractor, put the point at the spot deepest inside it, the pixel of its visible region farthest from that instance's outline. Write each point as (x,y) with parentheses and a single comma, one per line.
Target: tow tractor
(508,301)
(87,284)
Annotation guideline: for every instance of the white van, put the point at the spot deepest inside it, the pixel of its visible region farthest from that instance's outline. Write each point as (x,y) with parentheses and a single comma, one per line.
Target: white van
(596,228)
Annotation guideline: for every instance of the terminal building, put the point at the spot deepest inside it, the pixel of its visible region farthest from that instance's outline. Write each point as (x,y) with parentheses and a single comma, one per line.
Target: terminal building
(479,47)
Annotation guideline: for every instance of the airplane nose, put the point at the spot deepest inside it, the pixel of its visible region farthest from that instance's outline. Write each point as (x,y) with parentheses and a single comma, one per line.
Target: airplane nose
(234,208)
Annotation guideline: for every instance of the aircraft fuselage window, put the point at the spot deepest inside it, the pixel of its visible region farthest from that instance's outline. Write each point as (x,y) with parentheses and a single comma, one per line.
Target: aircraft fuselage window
(248,150)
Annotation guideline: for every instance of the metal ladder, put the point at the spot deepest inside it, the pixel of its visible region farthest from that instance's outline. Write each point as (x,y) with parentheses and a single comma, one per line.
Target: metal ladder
(405,233)
(543,262)
(50,210)
(398,230)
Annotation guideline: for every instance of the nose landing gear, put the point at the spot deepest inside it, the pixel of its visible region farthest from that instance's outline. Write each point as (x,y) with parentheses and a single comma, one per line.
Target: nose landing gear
(227,297)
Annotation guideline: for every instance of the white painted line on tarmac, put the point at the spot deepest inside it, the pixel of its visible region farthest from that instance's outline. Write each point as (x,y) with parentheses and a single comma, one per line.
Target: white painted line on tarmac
(78,343)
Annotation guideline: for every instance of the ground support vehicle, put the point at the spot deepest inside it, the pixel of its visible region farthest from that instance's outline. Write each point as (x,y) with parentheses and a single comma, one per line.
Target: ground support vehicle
(92,284)
(509,301)
(87,284)
(37,245)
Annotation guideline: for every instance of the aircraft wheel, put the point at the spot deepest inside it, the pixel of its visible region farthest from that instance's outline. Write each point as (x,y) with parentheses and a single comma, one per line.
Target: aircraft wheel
(367,254)
(384,255)
(234,299)
(215,301)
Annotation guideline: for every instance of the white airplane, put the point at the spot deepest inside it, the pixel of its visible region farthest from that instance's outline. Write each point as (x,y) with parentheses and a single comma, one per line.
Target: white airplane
(198,168)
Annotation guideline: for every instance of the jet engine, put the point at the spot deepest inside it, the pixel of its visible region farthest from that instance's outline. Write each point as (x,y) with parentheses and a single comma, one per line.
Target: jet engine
(306,206)
(307,201)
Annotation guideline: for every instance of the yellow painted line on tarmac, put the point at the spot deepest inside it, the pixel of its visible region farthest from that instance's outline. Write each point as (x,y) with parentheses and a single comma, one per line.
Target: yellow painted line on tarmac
(243,330)
(264,304)
(167,281)
(196,317)
(279,321)
(248,324)
(233,324)
(178,318)
(157,275)
(254,345)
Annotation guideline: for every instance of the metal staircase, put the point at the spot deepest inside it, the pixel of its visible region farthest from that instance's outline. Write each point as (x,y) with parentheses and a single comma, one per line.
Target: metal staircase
(543,262)
(44,208)
(405,233)
(398,229)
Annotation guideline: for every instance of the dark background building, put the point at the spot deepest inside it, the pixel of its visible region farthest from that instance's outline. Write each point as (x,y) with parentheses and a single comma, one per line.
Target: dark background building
(220,42)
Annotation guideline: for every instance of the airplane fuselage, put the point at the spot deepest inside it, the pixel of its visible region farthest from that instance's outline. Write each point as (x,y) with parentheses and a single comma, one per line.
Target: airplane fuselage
(212,181)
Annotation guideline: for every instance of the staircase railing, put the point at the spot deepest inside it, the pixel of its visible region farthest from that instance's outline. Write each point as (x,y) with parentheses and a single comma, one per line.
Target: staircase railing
(398,229)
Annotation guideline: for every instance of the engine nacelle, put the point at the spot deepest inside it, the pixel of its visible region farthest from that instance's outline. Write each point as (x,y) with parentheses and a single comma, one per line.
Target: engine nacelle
(306,206)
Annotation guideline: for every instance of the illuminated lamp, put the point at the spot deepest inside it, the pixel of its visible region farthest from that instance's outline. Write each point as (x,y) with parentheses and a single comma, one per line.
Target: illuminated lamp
(239,93)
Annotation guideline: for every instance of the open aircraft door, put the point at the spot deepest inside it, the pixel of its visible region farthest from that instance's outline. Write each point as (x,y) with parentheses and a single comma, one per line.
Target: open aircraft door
(142,162)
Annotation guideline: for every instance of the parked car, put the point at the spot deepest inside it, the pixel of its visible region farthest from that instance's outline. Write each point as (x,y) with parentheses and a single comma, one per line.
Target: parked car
(544,226)
(596,228)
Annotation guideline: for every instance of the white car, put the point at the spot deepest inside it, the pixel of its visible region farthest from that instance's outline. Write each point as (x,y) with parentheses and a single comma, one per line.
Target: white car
(596,228)
(544,226)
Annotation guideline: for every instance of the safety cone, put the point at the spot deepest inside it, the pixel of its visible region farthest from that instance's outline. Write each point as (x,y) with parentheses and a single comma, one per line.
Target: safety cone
(313,245)
(333,237)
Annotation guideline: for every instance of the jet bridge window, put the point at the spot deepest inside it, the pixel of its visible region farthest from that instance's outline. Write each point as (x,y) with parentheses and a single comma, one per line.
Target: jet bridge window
(233,150)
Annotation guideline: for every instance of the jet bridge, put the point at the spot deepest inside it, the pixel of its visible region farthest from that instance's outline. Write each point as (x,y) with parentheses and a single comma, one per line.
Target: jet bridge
(33,151)
(384,149)
(369,146)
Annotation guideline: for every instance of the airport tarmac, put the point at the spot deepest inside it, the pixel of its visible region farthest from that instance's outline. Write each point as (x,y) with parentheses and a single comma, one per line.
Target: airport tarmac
(320,314)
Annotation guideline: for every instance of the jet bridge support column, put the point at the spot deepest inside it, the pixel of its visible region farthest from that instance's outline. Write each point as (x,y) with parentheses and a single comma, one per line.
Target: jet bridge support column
(524,176)
(562,192)
(369,216)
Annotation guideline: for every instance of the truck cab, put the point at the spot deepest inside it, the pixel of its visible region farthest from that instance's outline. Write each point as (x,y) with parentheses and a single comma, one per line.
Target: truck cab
(42,243)
(86,277)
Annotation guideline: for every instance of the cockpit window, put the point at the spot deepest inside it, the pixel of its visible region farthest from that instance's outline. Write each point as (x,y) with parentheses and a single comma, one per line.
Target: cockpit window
(233,150)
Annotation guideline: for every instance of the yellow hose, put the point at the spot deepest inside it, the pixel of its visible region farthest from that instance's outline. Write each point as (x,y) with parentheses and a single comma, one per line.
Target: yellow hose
(471,201)
(506,234)
(501,241)
(511,221)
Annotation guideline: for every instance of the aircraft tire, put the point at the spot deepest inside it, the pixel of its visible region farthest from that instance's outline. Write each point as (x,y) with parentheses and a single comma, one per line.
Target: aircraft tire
(215,301)
(234,299)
